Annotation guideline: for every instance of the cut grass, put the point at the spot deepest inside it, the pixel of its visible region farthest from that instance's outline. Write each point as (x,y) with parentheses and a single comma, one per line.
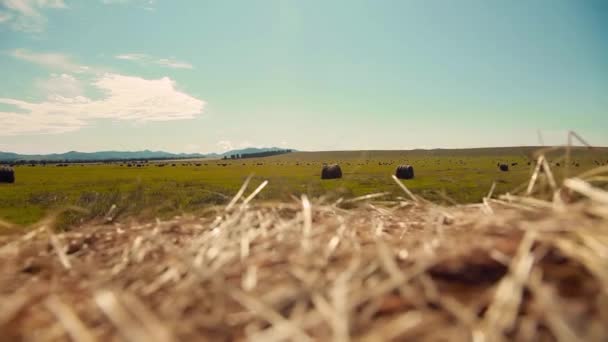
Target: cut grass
(462,176)
(513,267)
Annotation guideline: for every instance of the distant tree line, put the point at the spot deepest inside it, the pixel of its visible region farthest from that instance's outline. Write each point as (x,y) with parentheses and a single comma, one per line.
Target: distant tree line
(84,161)
(257,154)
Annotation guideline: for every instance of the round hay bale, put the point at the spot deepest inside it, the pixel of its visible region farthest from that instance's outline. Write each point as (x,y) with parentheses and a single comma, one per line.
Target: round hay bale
(7,175)
(404,172)
(331,171)
(504,167)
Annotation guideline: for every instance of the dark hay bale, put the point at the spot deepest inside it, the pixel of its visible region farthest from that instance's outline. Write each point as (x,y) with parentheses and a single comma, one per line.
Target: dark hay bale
(404,172)
(513,164)
(331,171)
(7,175)
(504,167)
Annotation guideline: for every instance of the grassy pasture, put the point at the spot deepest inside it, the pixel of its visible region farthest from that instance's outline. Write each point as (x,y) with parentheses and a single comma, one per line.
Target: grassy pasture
(151,191)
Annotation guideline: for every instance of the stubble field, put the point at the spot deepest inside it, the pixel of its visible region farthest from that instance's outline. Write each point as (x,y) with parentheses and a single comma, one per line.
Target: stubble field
(152,190)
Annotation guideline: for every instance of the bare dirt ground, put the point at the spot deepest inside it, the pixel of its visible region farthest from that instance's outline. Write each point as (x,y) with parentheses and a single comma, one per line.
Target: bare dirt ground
(510,268)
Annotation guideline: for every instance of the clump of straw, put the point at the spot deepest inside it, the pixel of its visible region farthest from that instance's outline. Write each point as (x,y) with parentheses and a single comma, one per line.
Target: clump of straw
(514,267)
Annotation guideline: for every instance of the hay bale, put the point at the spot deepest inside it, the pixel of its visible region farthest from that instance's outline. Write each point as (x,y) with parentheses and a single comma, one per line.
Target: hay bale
(331,171)
(7,175)
(404,172)
(504,167)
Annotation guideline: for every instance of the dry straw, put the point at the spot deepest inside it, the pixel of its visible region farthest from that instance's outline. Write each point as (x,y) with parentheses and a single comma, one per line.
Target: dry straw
(514,267)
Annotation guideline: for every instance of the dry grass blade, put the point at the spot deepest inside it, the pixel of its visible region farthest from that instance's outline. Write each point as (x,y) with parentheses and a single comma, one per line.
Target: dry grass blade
(367,197)
(60,250)
(128,324)
(70,321)
(405,189)
(254,193)
(587,189)
(549,173)
(239,193)
(537,168)
(502,312)
(491,192)
(395,328)
(269,314)
(593,172)
(307,216)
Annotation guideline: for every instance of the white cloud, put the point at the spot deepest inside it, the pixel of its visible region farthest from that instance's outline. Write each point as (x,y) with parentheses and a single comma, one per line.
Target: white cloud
(27,15)
(4,17)
(55,61)
(225,145)
(126,98)
(61,84)
(145,4)
(131,56)
(174,64)
(147,60)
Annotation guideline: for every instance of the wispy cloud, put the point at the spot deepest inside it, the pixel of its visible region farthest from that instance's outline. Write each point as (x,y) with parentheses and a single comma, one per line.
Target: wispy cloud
(174,64)
(4,17)
(64,85)
(131,56)
(149,60)
(27,15)
(145,4)
(125,97)
(54,61)
(225,145)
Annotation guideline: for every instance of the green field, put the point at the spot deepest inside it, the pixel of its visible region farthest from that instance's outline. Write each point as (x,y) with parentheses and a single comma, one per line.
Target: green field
(151,191)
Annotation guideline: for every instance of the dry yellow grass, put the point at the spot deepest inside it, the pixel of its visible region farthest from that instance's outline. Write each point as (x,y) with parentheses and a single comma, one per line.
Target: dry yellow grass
(516,267)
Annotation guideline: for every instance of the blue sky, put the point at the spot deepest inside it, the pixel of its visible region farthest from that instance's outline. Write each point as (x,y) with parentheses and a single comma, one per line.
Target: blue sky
(202,76)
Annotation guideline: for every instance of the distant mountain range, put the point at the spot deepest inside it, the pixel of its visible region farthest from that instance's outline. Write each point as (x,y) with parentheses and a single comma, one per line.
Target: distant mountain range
(118,155)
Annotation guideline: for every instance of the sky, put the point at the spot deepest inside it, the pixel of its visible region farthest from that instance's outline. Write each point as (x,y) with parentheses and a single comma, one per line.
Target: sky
(209,76)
